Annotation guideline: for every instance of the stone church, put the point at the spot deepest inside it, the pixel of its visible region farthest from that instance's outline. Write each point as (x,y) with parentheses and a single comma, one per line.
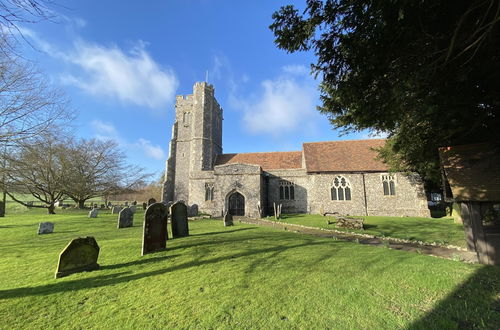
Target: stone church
(335,176)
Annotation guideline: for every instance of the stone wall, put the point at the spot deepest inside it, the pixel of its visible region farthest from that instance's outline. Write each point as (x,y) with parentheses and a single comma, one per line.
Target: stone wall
(243,178)
(301,187)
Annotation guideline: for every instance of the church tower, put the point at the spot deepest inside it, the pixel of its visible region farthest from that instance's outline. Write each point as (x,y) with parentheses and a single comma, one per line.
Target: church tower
(196,141)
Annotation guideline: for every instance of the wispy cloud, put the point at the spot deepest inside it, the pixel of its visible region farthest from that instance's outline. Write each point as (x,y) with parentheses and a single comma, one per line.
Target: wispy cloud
(283,104)
(131,76)
(106,131)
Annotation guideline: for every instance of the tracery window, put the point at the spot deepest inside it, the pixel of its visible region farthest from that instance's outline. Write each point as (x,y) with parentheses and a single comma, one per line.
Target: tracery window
(389,184)
(341,189)
(209,191)
(287,190)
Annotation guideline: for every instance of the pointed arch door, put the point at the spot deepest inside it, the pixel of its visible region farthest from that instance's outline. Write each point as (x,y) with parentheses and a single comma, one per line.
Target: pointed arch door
(237,204)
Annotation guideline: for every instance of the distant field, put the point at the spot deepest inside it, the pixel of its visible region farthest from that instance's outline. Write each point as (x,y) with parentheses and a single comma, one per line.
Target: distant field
(232,277)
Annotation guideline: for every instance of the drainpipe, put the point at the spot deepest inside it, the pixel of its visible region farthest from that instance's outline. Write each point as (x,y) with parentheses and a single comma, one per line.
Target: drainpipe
(364,194)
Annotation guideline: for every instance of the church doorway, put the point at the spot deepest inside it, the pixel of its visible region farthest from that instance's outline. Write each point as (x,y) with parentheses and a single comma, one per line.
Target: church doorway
(237,204)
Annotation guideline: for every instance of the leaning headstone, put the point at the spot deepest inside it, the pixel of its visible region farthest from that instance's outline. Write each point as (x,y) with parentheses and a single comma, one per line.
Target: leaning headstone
(151,201)
(134,203)
(126,218)
(155,233)
(133,208)
(45,228)
(193,210)
(228,219)
(93,213)
(79,255)
(144,206)
(116,209)
(179,220)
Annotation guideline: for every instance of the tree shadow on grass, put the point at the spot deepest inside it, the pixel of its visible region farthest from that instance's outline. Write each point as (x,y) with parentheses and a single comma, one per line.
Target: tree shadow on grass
(473,305)
(113,279)
(223,232)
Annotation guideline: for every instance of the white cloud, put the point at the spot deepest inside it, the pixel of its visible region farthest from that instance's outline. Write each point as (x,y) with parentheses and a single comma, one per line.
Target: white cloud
(284,104)
(106,131)
(131,76)
(153,151)
(296,69)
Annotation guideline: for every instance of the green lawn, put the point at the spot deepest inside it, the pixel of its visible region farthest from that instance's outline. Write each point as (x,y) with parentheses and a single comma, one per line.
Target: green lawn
(232,277)
(439,230)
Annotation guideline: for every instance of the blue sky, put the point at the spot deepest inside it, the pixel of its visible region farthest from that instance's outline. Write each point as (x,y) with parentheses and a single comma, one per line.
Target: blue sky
(121,63)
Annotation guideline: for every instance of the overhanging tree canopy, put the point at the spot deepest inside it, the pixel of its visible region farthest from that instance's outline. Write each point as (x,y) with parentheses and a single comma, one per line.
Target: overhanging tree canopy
(426,72)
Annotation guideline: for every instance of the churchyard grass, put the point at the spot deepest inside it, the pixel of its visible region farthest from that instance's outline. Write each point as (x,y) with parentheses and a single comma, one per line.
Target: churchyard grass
(430,230)
(242,276)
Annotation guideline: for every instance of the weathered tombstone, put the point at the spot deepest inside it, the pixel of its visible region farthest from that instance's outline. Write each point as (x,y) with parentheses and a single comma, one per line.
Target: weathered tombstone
(93,213)
(134,203)
(155,233)
(151,201)
(45,228)
(193,210)
(126,203)
(79,255)
(144,206)
(94,206)
(133,208)
(125,218)
(179,220)
(110,205)
(116,209)
(102,206)
(228,219)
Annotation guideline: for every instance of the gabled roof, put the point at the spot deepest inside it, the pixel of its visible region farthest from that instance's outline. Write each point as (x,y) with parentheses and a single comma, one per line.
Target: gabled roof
(344,156)
(266,160)
(473,171)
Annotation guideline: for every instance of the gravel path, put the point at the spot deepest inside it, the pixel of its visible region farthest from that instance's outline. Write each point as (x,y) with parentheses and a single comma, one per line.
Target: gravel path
(396,244)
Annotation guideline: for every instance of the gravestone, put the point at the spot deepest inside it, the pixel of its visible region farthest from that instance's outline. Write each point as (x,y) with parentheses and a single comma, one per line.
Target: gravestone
(144,206)
(116,209)
(93,213)
(228,219)
(125,218)
(350,223)
(102,206)
(126,203)
(110,205)
(79,255)
(45,228)
(134,203)
(151,201)
(133,208)
(193,210)
(179,220)
(155,233)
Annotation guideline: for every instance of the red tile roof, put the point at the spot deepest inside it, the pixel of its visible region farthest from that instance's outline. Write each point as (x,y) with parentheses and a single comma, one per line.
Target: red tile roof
(343,156)
(266,160)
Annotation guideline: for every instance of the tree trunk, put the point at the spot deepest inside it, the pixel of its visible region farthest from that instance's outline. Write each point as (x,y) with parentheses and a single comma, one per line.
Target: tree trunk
(3,204)
(51,209)
(81,203)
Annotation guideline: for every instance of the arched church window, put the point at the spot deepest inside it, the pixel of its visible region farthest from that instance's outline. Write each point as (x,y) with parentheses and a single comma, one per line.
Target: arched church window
(209,191)
(287,190)
(341,189)
(389,184)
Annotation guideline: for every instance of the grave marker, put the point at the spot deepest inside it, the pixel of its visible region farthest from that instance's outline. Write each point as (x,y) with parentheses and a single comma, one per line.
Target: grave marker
(151,201)
(155,228)
(125,218)
(179,220)
(116,209)
(93,213)
(79,255)
(45,228)
(228,219)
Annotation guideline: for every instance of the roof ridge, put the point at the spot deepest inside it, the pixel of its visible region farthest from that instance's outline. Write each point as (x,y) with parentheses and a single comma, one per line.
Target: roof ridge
(261,152)
(353,140)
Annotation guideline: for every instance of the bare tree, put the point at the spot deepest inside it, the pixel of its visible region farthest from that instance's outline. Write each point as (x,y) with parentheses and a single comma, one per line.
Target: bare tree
(36,167)
(97,168)
(14,13)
